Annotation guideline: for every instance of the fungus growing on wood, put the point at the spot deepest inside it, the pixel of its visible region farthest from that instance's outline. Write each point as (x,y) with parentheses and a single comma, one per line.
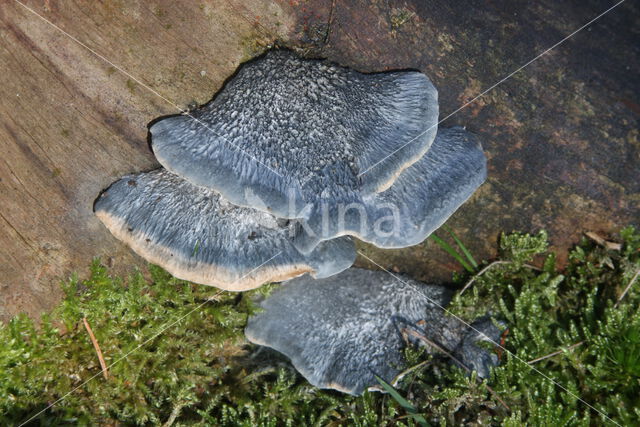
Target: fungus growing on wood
(196,235)
(288,133)
(423,197)
(340,332)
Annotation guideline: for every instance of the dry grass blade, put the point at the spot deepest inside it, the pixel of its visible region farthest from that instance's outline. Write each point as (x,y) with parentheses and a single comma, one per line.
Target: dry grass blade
(555,353)
(626,290)
(612,246)
(105,372)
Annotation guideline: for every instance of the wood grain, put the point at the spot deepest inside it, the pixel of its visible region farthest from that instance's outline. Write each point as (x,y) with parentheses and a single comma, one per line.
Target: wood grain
(72,123)
(561,136)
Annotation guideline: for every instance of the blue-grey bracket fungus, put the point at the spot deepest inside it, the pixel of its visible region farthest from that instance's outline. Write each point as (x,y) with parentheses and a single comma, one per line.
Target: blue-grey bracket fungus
(286,133)
(341,331)
(196,235)
(424,196)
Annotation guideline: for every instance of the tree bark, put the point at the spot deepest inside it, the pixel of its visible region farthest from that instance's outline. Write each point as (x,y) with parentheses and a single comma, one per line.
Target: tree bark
(561,135)
(73,120)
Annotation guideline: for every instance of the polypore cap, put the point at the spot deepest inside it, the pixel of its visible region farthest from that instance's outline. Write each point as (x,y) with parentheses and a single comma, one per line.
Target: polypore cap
(424,196)
(286,132)
(196,235)
(342,331)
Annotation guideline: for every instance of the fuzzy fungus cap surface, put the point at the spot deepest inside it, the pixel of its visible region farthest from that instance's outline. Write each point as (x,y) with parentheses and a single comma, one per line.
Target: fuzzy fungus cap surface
(196,235)
(286,132)
(424,196)
(342,331)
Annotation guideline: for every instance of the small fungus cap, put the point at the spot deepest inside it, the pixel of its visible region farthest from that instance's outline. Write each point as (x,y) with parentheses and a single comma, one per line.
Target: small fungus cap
(342,331)
(198,236)
(286,132)
(424,196)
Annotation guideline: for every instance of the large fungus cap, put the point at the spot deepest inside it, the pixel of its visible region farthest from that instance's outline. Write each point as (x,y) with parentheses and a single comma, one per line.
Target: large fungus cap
(419,202)
(342,331)
(286,132)
(196,235)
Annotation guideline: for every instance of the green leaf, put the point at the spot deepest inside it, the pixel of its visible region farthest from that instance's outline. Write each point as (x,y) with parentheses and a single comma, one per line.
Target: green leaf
(464,249)
(451,251)
(408,406)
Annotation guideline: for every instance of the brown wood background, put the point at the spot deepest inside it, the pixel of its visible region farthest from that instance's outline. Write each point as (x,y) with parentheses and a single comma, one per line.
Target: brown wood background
(561,135)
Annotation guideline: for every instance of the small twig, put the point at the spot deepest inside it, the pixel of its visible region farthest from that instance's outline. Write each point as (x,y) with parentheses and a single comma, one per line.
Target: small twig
(493,264)
(555,353)
(215,298)
(455,359)
(329,23)
(105,373)
(626,290)
(480,273)
(396,380)
(612,246)
(435,345)
(407,371)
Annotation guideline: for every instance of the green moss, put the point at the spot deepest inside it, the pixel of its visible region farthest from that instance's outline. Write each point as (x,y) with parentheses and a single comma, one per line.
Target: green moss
(573,311)
(131,85)
(176,353)
(159,12)
(254,45)
(399,17)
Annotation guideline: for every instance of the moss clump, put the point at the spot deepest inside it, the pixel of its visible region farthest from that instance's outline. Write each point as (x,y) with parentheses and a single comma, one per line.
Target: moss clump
(169,343)
(255,44)
(131,85)
(587,344)
(176,353)
(400,17)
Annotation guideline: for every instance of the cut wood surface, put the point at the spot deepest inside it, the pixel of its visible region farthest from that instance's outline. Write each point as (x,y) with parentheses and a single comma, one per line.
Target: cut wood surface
(73,122)
(561,135)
